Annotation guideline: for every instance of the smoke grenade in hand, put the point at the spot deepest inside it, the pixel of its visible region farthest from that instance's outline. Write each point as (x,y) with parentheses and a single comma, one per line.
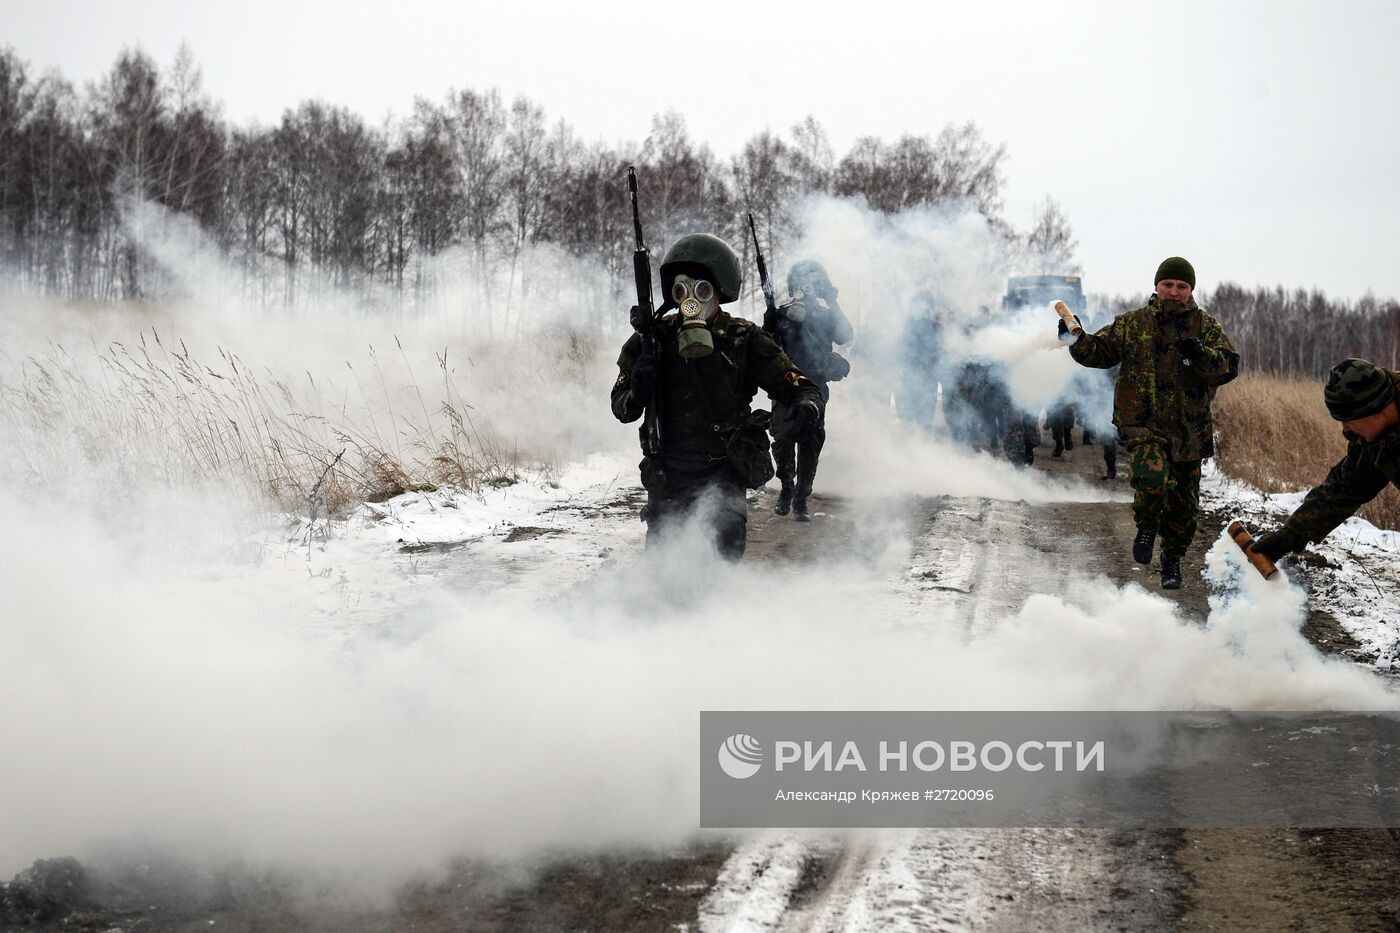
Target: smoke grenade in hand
(1245,540)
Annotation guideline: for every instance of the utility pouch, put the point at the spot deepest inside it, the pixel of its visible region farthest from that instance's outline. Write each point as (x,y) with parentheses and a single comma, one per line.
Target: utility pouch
(747,450)
(653,476)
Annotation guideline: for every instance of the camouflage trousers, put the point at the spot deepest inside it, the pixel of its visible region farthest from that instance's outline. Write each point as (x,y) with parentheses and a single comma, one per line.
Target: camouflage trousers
(1020,435)
(1166,494)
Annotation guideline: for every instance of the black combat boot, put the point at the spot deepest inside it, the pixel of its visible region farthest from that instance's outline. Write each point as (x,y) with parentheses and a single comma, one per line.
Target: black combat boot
(1030,454)
(799,510)
(784,503)
(1110,463)
(1142,546)
(1059,448)
(1069,439)
(1171,571)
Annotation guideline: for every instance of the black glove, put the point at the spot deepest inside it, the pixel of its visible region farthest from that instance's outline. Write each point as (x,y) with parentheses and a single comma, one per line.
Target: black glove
(804,418)
(1273,545)
(644,378)
(1190,348)
(838,367)
(1063,329)
(771,317)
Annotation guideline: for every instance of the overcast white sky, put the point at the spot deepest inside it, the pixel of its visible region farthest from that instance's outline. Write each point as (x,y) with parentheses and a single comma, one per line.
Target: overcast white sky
(1257,139)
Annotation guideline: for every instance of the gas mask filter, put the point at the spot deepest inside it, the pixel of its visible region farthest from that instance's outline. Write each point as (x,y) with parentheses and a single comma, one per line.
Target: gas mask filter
(698,303)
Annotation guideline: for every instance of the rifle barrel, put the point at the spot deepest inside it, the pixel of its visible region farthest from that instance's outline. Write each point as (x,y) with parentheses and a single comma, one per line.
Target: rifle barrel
(636,212)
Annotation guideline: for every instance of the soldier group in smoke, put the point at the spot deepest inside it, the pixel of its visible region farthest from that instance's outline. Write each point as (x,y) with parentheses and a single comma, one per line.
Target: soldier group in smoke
(697,375)
(691,371)
(977,407)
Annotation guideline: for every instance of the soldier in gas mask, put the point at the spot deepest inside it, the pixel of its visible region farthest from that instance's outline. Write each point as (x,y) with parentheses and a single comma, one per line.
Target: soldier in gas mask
(707,368)
(806,328)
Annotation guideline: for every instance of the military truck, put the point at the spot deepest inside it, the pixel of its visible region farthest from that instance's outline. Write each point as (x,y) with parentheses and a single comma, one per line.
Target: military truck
(1023,291)
(1040,291)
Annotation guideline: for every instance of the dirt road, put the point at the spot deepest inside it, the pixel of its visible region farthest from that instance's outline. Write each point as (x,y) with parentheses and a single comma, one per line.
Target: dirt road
(1060,879)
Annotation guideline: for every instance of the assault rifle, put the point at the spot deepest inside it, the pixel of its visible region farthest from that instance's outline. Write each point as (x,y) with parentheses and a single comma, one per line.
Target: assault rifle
(645,321)
(770,313)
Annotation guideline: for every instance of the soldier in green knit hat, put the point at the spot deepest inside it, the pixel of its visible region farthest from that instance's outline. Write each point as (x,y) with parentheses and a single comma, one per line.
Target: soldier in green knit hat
(1362,397)
(1173,356)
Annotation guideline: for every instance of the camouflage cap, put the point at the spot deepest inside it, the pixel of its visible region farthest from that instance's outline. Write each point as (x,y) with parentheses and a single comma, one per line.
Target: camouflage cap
(1357,389)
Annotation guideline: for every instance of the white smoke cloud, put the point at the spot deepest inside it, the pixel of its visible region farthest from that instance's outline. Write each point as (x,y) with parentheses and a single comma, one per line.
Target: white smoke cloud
(176,676)
(887,266)
(214,706)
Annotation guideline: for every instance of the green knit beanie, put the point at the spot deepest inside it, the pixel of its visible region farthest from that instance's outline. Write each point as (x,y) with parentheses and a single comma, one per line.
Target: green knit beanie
(1357,389)
(1175,267)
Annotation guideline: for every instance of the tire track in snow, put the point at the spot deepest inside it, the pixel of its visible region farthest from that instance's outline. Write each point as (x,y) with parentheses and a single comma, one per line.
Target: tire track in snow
(969,560)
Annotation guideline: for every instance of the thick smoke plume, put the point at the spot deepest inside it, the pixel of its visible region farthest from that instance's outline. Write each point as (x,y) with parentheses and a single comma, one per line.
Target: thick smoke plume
(186,674)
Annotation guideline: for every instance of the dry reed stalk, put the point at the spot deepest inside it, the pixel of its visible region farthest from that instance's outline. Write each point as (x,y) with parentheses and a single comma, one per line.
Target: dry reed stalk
(155,411)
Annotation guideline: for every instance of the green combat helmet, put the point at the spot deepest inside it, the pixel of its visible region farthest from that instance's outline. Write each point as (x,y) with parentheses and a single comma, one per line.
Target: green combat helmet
(809,276)
(699,256)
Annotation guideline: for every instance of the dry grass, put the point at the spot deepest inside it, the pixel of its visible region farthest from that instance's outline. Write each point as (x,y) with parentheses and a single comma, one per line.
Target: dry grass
(1276,434)
(153,412)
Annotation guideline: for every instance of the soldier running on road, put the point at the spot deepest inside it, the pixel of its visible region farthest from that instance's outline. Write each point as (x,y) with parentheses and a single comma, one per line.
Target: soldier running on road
(806,328)
(1173,357)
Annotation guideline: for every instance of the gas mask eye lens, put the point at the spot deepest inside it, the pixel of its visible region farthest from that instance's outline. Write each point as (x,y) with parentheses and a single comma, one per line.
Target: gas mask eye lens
(699,289)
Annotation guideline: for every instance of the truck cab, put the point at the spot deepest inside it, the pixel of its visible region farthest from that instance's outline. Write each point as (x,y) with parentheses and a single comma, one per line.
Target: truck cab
(1024,291)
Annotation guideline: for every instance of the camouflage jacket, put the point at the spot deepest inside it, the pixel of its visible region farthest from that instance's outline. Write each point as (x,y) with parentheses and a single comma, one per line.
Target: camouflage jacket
(703,398)
(1157,396)
(809,340)
(1356,479)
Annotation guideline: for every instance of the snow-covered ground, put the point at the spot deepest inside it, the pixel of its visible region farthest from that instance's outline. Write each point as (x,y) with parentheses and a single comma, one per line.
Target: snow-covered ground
(1354,574)
(538,535)
(567,525)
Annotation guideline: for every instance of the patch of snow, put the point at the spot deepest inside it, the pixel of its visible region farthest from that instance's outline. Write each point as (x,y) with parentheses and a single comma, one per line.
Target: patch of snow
(1353,574)
(757,883)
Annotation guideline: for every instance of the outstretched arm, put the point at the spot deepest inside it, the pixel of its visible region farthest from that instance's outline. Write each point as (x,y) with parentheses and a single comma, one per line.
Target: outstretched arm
(1102,350)
(1352,483)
